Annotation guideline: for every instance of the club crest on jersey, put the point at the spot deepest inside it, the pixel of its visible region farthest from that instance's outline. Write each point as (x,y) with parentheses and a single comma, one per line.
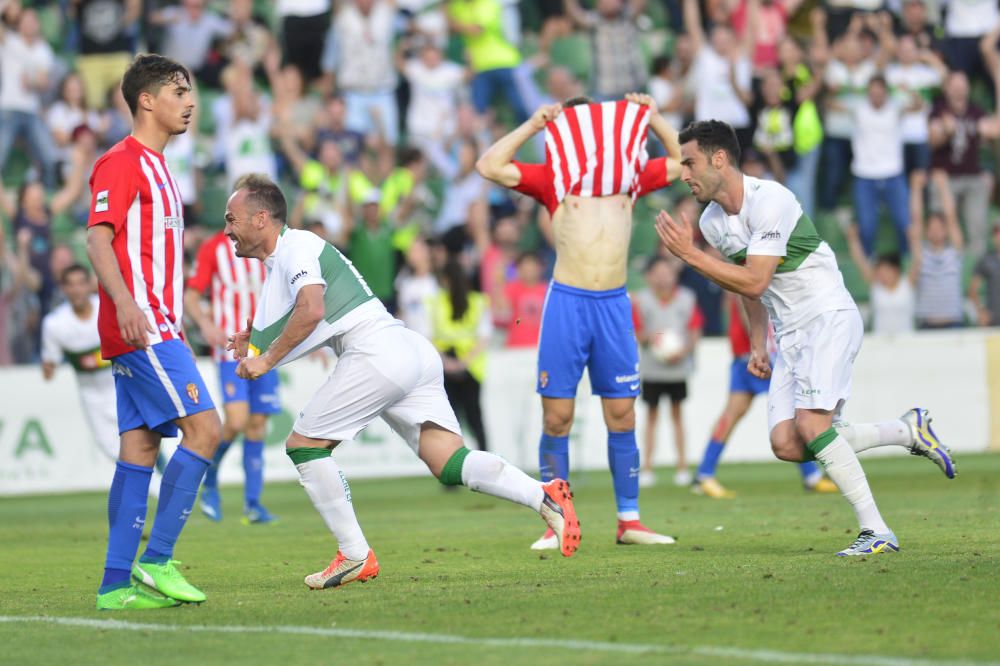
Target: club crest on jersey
(192,391)
(543,378)
(173,222)
(230,389)
(101,202)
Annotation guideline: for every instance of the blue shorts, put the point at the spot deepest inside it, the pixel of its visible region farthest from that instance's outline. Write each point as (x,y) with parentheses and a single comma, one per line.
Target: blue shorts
(262,393)
(156,385)
(742,381)
(592,329)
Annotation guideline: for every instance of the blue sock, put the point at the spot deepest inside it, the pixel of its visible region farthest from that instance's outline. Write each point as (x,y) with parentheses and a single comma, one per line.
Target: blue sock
(126,517)
(253,470)
(809,470)
(212,475)
(623,459)
(553,457)
(177,493)
(710,459)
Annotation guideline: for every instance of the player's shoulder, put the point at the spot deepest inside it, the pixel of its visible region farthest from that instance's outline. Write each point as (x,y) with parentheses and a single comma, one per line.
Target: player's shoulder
(56,316)
(767,193)
(712,218)
(300,238)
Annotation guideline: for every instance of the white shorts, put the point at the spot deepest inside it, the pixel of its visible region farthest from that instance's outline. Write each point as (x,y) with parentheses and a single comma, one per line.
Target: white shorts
(383,369)
(813,366)
(97,397)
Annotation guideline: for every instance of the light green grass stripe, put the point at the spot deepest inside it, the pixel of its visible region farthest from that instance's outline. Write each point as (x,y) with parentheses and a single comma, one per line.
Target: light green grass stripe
(767,656)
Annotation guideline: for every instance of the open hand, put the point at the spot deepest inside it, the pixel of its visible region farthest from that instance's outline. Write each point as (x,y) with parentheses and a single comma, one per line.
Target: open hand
(239,344)
(677,236)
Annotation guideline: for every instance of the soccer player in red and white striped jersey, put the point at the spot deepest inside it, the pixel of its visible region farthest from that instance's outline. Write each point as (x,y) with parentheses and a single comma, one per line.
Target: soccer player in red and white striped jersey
(595,167)
(135,241)
(233,284)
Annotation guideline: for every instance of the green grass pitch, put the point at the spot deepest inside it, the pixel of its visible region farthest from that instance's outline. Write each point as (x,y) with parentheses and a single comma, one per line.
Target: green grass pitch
(752,580)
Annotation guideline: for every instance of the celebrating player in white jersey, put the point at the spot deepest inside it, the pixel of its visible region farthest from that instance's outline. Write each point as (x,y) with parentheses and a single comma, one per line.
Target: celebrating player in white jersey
(782,268)
(314,297)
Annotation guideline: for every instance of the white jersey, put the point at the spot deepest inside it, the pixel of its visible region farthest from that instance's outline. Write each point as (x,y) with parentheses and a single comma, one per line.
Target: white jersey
(67,337)
(302,258)
(771,222)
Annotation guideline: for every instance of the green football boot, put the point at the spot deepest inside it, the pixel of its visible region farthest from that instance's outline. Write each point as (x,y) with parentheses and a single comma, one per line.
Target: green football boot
(167,580)
(133,597)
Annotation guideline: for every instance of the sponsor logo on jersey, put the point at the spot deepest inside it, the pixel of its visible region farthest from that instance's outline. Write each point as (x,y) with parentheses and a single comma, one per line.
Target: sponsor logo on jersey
(101,202)
(173,222)
(771,235)
(192,391)
(296,277)
(625,379)
(543,379)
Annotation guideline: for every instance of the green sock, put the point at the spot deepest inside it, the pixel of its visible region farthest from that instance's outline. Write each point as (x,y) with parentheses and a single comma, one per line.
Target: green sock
(821,442)
(306,453)
(451,474)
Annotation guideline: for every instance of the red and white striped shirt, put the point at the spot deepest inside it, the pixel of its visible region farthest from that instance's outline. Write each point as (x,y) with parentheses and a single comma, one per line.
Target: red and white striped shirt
(235,283)
(133,192)
(594,150)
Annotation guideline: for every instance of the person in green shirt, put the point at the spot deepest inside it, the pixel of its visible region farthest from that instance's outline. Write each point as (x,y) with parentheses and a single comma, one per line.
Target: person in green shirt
(372,251)
(492,58)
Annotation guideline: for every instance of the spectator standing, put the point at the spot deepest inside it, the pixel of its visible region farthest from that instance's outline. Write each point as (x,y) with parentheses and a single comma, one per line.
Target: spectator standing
(987,274)
(617,65)
(665,308)
(106,29)
(189,31)
(958,178)
(464,214)
(373,252)
(435,84)
(68,112)
(913,22)
(416,286)
(892,295)
(915,72)
(939,286)
(492,58)
(359,58)
(26,61)
(304,26)
(722,71)
(247,42)
(772,26)
(247,138)
(666,90)
(524,301)
(497,266)
(331,125)
(323,182)
(966,22)
(877,166)
(774,136)
(460,321)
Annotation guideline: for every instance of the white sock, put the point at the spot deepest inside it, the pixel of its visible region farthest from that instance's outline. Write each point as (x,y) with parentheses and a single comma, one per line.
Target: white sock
(327,487)
(488,473)
(842,466)
(864,436)
(628,515)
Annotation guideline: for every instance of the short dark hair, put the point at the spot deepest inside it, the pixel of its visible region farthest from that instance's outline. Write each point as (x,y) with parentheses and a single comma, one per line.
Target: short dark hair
(148,73)
(263,194)
(890,259)
(655,260)
(660,63)
(577,101)
(878,79)
(409,155)
(73,268)
(713,135)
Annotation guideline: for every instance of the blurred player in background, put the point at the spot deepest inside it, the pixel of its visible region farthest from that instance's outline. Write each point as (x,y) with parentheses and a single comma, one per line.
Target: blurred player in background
(69,333)
(135,244)
(234,286)
(743,388)
(596,165)
(783,269)
(313,298)
(665,309)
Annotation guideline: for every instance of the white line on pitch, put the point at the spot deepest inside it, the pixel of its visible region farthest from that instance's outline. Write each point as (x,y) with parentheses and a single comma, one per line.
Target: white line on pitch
(767,656)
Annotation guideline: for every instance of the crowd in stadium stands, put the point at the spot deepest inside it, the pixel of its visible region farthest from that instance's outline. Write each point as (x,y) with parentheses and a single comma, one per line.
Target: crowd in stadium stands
(880,116)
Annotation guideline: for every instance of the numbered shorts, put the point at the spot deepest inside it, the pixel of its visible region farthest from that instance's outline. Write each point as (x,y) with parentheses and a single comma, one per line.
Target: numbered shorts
(261,393)
(587,329)
(741,380)
(814,364)
(156,385)
(382,370)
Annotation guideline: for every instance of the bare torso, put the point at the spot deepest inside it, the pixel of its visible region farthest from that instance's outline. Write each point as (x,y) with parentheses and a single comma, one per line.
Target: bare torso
(592,236)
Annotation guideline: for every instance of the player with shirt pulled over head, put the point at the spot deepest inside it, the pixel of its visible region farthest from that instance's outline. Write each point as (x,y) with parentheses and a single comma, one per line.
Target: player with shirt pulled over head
(313,297)
(136,246)
(783,269)
(596,166)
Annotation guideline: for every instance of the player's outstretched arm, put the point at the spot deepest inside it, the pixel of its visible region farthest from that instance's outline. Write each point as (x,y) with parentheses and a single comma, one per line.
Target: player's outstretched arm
(750,280)
(496,163)
(307,313)
(132,323)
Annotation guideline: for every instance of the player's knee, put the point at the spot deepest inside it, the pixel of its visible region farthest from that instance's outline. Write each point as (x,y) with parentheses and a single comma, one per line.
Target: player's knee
(620,418)
(557,423)
(256,427)
(785,448)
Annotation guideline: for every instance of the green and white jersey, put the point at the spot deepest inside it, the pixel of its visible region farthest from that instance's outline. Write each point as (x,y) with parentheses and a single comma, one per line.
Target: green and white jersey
(66,337)
(299,259)
(771,222)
